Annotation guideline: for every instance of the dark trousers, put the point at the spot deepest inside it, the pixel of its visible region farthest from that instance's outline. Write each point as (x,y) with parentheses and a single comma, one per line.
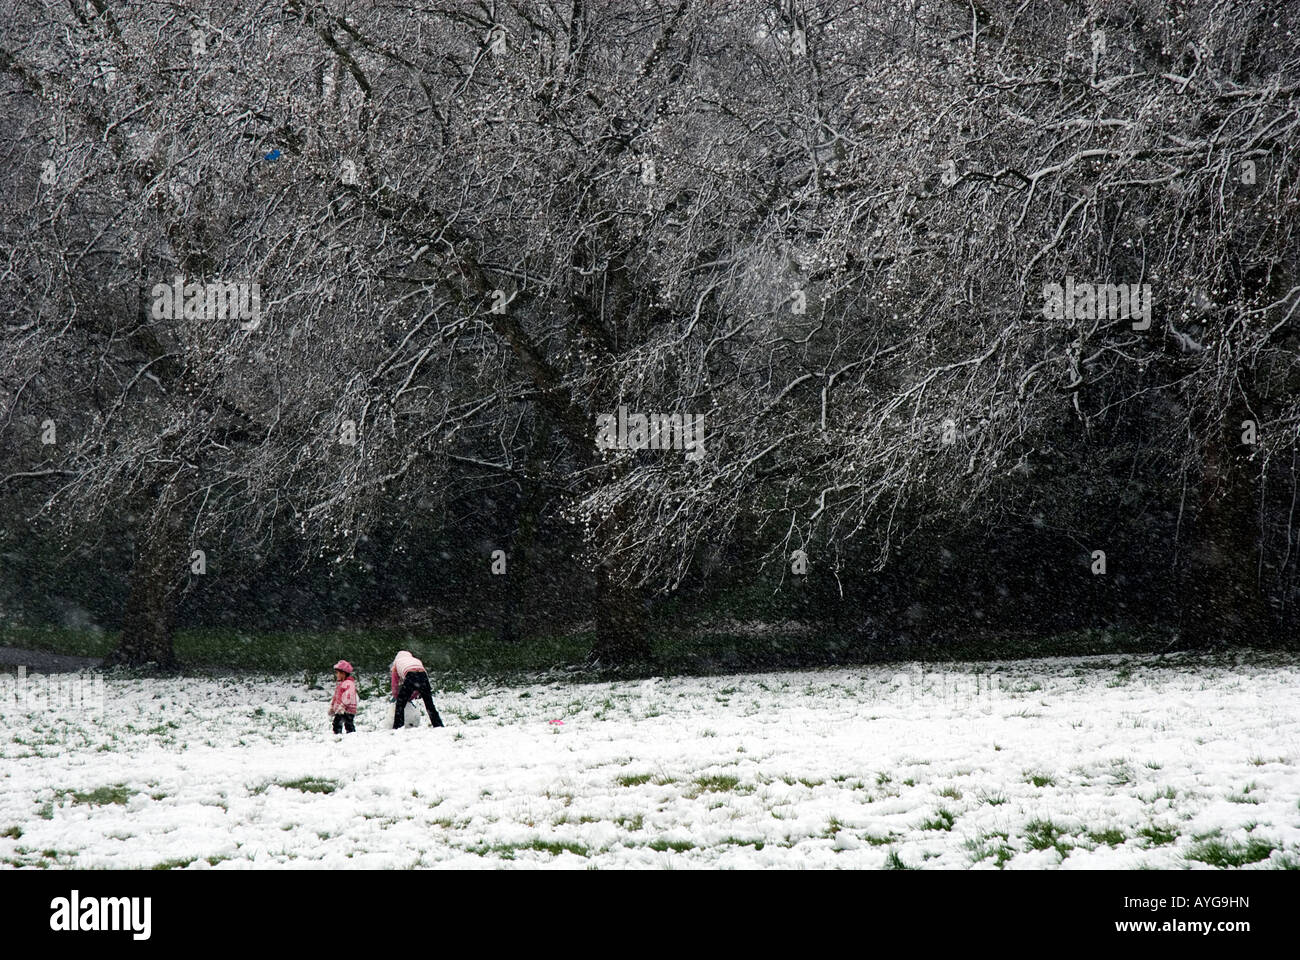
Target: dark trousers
(417,681)
(344,721)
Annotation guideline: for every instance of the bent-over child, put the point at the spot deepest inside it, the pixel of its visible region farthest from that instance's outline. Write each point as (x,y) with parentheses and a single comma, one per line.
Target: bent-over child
(409,678)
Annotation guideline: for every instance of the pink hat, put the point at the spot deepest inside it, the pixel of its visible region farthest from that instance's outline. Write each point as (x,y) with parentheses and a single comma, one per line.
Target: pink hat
(344,666)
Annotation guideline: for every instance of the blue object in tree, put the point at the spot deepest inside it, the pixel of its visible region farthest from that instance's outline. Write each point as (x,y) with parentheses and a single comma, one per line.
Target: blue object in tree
(274,154)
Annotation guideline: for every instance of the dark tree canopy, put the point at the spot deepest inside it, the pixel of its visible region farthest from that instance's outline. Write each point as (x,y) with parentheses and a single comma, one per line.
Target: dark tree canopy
(966,277)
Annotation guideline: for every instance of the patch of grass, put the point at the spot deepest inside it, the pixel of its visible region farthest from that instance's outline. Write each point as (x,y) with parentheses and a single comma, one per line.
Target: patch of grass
(1111,837)
(13,833)
(1040,779)
(631,823)
(506,851)
(180,863)
(72,642)
(894,862)
(1158,836)
(40,859)
(469,656)
(1120,773)
(717,783)
(833,826)
(951,792)
(1044,835)
(943,819)
(310,785)
(804,781)
(103,796)
(737,842)
(993,799)
(557,847)
(1245,795)
(476,656)
(1221,853)
(988,845)
(633,779)
(660,845)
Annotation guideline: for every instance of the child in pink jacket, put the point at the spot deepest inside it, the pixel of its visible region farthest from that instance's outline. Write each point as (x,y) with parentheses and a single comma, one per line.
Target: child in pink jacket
(343,708)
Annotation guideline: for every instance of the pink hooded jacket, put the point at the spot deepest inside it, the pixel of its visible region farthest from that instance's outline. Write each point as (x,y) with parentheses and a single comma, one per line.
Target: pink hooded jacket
(345,697)
(403,664)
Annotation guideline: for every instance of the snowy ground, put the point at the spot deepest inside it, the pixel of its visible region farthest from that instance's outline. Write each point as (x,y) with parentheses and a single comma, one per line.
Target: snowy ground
(1072,763)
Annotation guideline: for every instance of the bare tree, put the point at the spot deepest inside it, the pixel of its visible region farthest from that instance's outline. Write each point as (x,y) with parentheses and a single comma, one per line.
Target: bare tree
(828,230)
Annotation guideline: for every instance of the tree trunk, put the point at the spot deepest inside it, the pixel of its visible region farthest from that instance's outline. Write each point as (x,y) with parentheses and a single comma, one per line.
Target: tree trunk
(523,528)
(161,554)
(622,633)
(1222,600)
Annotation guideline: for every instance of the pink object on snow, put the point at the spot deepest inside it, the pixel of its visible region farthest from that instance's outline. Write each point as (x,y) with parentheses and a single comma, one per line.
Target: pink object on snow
(344,666)
(345,697)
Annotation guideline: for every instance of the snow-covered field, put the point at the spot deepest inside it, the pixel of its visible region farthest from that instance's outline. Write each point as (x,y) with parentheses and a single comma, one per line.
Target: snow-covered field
(1072,763)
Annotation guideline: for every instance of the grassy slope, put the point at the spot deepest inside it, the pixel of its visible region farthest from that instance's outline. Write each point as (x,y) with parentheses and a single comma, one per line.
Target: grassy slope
(369,650)
(481,655)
